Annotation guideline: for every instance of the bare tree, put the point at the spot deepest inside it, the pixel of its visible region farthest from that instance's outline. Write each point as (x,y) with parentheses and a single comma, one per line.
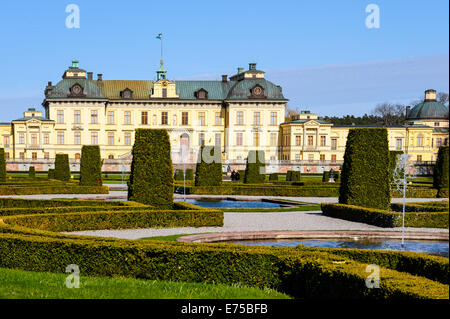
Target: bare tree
(290,112)
(391,114)
(443,98)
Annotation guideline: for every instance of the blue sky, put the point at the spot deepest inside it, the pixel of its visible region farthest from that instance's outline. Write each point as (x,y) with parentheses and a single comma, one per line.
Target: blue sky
(320,52)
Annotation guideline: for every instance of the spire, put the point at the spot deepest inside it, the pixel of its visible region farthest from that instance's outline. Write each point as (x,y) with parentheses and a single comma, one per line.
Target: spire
(161,73)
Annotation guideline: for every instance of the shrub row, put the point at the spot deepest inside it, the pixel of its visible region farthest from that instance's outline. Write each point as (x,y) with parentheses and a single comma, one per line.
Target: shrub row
(24,190)
(2,165)
(265,191)
(382,218)
(91,166)
(208,171)
(149,218)
(300,273)
(293,176)
(421,207)
(41,203)
(431,267)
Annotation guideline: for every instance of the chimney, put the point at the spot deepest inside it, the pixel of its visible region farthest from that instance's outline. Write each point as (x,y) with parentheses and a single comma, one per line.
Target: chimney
(99,77)
(252,66)
(89,75)
(224,78)
(408,111)
(430,95)
(49,83)
(240,70)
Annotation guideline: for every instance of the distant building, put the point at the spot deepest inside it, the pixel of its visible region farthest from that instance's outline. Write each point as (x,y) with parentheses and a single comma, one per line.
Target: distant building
(241,113)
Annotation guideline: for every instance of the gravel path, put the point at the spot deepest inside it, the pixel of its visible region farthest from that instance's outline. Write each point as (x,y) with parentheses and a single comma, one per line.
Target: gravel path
(242,222)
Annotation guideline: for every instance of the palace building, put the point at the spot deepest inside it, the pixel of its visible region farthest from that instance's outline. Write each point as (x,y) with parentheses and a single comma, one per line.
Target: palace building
(239,113)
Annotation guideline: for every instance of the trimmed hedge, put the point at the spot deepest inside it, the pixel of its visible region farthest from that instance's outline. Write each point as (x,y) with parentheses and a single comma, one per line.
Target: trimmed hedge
(365,172)
(178,176)
(255,168)
(189,175)
(209,166)
(32,172)
(97,220)
(431,267)
(91,166)
(51,173)
(269,190)
(62,189)
(2,166)
(273,177)
(151,179)
(62,168)
(293,176)
(300,273)
(383,218)
(441,171)
(393,159)
(46,203)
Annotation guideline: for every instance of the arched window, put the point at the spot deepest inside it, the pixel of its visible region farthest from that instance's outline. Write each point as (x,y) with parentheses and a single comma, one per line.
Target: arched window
(110,156)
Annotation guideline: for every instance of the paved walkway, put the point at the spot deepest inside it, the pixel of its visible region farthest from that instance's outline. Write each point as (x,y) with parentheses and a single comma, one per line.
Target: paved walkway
(246,222)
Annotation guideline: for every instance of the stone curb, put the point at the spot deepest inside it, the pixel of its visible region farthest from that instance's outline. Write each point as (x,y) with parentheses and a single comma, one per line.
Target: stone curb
(234,236)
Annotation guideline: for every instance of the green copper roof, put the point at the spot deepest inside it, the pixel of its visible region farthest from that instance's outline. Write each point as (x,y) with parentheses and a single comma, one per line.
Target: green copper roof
(62,89)
(241,89)
(428,110)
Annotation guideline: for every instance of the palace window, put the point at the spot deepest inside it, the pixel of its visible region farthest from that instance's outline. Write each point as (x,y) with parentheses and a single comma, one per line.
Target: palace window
(239,139)
(257,118)
(419,158)
(46,155)
(334,143)
(94,117)
(298,140)
(398,144)
(127,117)
(110,156)
(255,139)
(323,141)
(201,118)
(77,116)
(333,158)
(60,138)
(6,141)
(273,139)
(436,123)
(438,142)
(60,116)
(127,138)
(110,117)
(154,120)
(218,139)
(420,141)
(273,118)
(34,156)
(298,157)
(164,118)
(33,139)
(110,138)
(310,140)
(311,158)
(201,139)
(144,118)
(6,155)
(94,138)
(239,118)
(218,119)
(22,155)
(77,138)
(322,157)
(164,93)
(46,138)
(184,118)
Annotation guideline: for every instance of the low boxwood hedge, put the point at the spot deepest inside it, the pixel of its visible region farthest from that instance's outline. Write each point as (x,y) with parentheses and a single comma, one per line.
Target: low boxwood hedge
(45,203)
(384,218)
(302,274)
(150,218)
(34,190)
(269,190)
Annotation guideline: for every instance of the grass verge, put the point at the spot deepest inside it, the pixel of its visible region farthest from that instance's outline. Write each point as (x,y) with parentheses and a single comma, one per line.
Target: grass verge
(19,284)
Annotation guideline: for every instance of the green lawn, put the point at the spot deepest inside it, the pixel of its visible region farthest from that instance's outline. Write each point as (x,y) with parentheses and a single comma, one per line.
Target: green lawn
(19,284)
